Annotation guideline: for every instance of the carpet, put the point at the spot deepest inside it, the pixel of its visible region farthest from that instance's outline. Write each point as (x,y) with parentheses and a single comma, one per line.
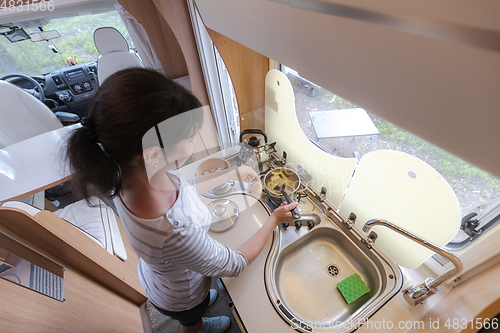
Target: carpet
(163,324)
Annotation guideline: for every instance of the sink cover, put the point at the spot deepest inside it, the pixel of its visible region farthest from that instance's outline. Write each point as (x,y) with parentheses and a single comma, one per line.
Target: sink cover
(304,267)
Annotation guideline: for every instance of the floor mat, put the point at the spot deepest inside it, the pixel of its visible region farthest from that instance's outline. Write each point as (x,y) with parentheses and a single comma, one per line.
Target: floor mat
(163,324)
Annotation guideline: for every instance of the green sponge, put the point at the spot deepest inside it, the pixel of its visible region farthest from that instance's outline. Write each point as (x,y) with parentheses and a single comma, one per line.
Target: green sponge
(352,288)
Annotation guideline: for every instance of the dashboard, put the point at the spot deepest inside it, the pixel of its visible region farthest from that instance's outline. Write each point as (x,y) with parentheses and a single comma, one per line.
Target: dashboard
(69,89)
(74,83)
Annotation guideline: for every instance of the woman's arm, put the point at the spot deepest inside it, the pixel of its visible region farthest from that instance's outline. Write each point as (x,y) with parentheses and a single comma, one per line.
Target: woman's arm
(193,249)
(252,247)
(208,182)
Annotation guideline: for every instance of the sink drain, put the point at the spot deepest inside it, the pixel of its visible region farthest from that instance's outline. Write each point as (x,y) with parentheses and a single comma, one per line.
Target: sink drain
(333,270)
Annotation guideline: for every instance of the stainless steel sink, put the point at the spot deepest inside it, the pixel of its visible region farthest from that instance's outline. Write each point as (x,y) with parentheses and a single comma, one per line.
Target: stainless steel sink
(304,267)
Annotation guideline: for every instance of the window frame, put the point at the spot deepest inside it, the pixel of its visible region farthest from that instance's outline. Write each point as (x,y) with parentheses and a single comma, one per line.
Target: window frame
(217,81)
(452,246)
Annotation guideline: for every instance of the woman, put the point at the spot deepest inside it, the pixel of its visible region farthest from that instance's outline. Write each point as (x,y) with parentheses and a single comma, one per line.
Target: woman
(164,219)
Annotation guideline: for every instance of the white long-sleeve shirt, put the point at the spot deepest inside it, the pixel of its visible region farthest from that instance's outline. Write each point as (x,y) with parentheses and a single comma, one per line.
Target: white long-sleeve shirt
(177,256)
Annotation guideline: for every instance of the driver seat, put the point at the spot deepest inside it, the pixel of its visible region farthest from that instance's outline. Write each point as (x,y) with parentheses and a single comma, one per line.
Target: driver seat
(22,116)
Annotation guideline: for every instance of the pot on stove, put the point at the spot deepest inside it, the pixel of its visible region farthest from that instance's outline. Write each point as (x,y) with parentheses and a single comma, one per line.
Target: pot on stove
(278,198)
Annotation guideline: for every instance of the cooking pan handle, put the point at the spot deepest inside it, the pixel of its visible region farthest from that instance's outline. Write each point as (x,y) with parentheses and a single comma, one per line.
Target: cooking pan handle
(253,131)
(295,211)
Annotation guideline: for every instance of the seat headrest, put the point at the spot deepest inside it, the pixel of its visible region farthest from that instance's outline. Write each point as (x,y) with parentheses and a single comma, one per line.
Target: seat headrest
(108,39)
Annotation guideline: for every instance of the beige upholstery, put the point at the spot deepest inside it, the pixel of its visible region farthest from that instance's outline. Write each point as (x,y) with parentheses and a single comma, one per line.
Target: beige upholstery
(115,53)
(85,218)
(94,220)
(22,116)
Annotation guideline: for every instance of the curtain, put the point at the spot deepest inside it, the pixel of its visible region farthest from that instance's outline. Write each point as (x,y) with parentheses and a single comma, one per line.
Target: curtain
(140,39)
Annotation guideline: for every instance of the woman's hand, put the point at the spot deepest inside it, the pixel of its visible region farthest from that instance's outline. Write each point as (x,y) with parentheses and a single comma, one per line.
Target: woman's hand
(246,174)
(209,181)
(252,247)
(282,213)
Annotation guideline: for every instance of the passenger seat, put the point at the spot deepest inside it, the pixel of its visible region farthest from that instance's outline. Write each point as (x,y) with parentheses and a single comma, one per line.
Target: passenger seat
(115,53)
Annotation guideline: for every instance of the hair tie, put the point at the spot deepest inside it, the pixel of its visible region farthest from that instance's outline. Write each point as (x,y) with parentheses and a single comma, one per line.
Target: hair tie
(88,128)
(115,163)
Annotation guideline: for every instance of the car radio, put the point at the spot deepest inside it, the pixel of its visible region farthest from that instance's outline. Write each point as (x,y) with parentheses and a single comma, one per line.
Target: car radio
(78,80)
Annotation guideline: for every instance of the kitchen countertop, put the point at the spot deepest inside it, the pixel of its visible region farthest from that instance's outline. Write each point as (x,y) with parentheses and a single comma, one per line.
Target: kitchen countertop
(248,291)
(249,294)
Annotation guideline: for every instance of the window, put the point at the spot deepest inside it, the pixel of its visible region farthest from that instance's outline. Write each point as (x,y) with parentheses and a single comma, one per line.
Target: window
(477,191)
(218,82)
(76,38)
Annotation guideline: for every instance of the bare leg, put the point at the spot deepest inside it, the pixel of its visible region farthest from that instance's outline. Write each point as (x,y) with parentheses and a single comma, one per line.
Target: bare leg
(192,329)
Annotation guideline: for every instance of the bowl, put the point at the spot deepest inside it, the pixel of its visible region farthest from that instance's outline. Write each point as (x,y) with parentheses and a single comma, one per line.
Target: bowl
(212,164)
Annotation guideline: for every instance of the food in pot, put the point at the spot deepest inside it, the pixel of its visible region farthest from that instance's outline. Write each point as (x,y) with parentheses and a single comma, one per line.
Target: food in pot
(278,178)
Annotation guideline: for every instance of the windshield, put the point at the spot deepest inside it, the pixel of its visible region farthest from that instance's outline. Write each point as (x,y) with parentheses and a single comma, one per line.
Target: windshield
(77,39)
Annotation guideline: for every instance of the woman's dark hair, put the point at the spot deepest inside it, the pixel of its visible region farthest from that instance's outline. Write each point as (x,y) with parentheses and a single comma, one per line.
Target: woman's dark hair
(125,107)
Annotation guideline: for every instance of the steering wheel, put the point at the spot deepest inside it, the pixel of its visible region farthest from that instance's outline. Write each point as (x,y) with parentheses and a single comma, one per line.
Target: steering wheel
(41,95)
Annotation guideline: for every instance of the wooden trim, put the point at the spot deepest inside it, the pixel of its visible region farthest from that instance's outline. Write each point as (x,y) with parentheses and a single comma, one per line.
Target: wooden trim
(10,244)
(168,25)
(7,257)
(162,38)
(488,313)
(176,13)
(273,64)
(50,206)
(88,307)
(248,70)
(63,241)
(478,297)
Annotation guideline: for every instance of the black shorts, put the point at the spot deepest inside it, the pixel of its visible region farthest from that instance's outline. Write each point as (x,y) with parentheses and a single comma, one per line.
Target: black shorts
(188,317)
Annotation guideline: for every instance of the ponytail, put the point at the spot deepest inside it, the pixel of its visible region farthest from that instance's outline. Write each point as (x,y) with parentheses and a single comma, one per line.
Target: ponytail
(95,173)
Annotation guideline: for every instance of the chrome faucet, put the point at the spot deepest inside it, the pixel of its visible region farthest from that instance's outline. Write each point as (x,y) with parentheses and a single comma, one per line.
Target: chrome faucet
(417,294)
